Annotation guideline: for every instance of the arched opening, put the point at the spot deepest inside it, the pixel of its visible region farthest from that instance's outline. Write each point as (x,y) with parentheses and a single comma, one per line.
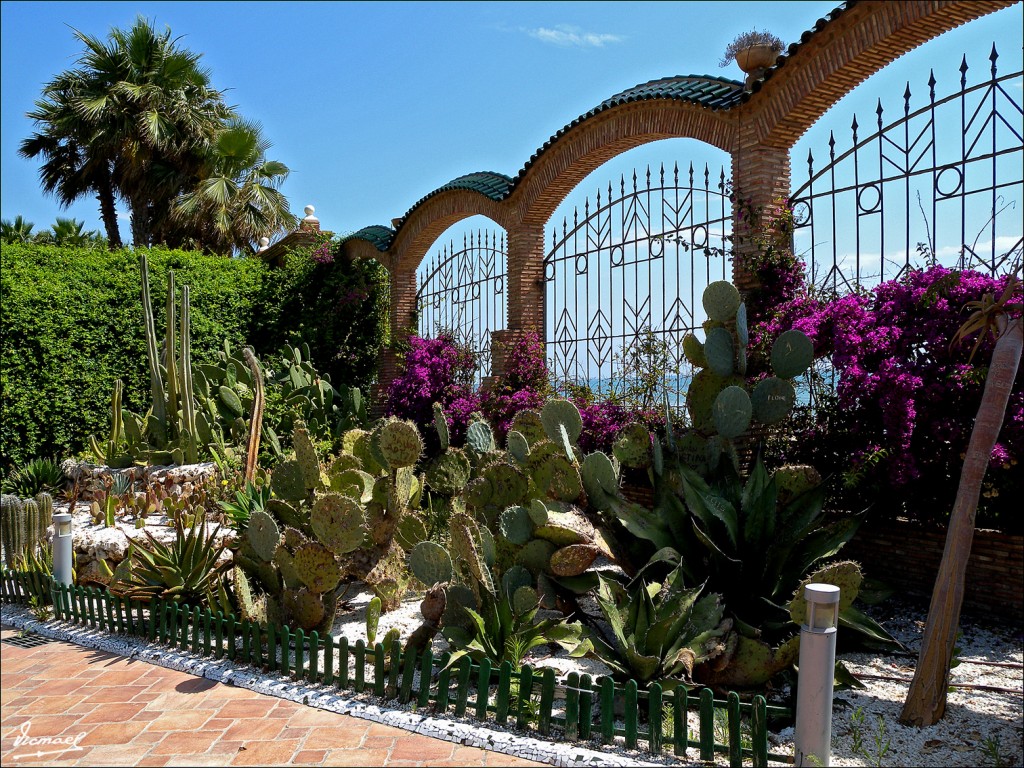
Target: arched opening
(461,284)
(628,254)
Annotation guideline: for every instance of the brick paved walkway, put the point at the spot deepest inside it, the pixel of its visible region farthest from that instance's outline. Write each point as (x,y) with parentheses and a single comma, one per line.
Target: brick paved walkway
(117,711)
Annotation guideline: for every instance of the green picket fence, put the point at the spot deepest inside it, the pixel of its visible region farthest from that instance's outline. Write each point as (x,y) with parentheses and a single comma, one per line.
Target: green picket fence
(580,709)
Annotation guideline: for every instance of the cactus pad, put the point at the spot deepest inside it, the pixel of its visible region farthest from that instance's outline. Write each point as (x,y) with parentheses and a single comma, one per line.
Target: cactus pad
(792,354)
(479,492)
(287,481)
(633,447)
(430,563)
(338,522)
(479,437)
(573,560)
(400,443)
(793,480)
(518,446)
(514,578)
(467,544)
(441,425)
(354,483)
(599,479)
(742,329)
(508,484)
(306,609)
(316,567)
(693,350)
(458,598)
(721,300)
(732,412)
(515,525)
(448,473)
(230,400)
(566,528)
(558,411)
(773,399)
(288,514)
(529,425)
(411,531)
(263,534)
(845,574)
(719,352)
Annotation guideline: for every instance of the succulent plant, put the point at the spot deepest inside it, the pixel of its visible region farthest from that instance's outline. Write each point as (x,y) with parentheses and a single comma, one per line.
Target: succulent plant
(186,570)
(659,632)
(497,619)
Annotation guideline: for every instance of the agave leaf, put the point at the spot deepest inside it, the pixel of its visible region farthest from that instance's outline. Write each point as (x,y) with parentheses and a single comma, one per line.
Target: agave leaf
(855,619)
(759,508)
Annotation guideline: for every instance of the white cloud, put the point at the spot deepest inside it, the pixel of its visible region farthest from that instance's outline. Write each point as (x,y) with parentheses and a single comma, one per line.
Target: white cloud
(569,36)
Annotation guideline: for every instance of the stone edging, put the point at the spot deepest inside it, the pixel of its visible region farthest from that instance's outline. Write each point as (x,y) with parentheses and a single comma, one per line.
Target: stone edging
(223,671)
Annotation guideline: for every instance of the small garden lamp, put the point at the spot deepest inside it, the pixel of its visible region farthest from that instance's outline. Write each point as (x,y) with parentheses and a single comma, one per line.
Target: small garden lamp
(62,546)
(817,673)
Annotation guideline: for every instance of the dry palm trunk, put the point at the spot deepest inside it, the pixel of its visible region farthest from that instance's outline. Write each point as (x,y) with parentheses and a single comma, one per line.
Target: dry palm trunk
(926,700)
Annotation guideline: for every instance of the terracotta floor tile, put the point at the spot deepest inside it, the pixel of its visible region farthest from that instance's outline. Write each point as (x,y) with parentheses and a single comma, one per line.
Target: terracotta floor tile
(310,756)
(338,737)
(55,687)
(50,705)
(254,708)
(115,694)
(185,743)
(254,730)
(122,677)
(266,753)
(356,757)
(179,719)
(225,749)
(113,713)
(294,733)
(411,747)
(317,717)
(113,733)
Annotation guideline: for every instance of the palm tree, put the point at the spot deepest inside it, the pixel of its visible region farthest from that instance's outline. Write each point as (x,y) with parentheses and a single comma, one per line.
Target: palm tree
(18,231)
(76,162)
(238,200)
(136,117)
(159,109)
(72,232)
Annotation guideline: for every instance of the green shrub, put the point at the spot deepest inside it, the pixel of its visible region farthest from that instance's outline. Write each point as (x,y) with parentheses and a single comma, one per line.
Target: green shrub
(72,324)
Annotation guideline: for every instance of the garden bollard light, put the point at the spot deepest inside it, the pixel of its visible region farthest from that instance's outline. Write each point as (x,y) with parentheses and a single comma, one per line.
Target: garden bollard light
(817,670)
(62,546)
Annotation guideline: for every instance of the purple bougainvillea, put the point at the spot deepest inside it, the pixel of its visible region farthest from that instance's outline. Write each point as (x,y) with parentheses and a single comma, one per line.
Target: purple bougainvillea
(905,400)
(435,370)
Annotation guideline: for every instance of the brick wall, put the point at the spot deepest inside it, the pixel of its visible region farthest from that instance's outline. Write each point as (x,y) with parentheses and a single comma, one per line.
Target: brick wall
(907,556)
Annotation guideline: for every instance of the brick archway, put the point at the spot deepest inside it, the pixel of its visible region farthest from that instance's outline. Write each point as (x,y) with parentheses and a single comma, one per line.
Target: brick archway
(757,126)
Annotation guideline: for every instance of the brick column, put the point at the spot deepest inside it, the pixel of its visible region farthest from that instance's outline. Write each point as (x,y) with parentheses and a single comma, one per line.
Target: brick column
(524,284)
(761,175)
(402,318)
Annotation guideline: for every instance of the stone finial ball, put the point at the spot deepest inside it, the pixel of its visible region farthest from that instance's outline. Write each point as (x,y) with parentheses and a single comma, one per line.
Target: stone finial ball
(309,209)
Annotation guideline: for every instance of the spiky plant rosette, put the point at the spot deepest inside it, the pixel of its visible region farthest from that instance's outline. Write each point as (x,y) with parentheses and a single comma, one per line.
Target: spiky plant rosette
(184,570)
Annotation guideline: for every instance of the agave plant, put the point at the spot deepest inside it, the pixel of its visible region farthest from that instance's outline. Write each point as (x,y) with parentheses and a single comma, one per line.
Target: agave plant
(755,542)
(183,571)
(505,627)
(659,631)
(37,476)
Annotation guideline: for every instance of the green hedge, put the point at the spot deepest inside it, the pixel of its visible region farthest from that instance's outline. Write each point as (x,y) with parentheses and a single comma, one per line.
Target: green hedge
(71,323)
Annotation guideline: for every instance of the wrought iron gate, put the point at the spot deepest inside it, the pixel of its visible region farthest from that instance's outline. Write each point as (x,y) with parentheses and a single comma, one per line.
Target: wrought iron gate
(463,292)
(941,183)
(633,265)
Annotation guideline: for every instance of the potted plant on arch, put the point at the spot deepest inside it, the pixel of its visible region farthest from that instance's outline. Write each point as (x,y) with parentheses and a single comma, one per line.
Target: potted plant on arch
(754,52)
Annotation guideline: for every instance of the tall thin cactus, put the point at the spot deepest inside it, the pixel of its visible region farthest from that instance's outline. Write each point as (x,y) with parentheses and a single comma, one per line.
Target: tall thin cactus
(256,422)
(158,426)
(188,408)
(171,359)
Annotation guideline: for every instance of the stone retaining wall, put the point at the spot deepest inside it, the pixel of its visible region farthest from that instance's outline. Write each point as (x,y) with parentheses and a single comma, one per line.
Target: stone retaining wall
(178,480)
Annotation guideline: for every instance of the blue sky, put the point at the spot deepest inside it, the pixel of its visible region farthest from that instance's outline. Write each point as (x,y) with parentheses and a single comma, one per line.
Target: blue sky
(374,105)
